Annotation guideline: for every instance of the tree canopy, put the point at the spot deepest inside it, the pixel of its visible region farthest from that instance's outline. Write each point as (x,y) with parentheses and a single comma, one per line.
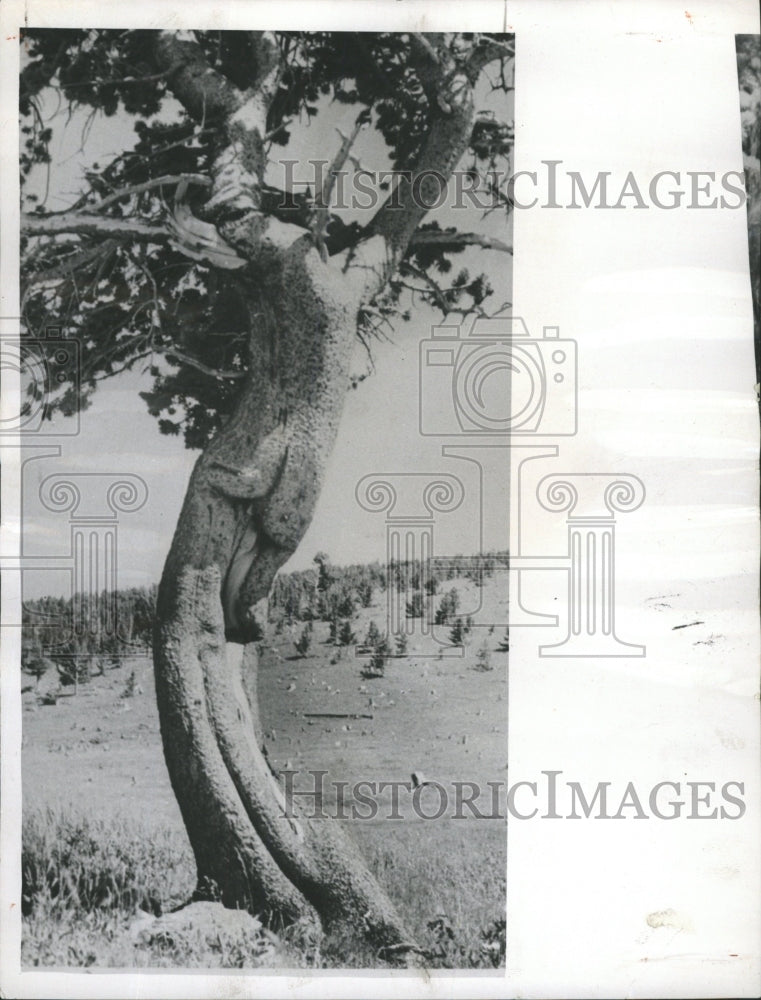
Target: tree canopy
(109,271)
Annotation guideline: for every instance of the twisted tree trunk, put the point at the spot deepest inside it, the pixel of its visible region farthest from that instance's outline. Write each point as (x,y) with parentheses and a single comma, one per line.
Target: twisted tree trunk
(253,492)
(250,499)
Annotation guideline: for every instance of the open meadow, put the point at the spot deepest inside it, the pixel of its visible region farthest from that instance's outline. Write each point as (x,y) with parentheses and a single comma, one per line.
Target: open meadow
(105,849)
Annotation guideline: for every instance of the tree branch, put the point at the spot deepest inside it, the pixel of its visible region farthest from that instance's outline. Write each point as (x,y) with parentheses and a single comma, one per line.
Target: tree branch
(451,75)
(197,239)
(238,170)
(93,225)
(142,78)
(433,288)
(322,214)
(204,93)
(186,359)
(127,192)
(428,66)
(486,50)
(452,115)
(453,241)
(70,263)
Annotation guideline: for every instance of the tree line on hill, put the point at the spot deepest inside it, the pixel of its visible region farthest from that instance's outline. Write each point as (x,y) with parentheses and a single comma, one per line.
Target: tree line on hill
(84,635)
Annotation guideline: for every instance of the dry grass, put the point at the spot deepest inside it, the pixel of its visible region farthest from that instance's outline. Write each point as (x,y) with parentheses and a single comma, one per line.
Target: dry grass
(85,883)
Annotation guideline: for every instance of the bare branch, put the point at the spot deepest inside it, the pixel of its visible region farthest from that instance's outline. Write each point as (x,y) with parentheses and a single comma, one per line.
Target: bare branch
(453,241)
(71,262)
(266,54)
(186,359)
(195,238)
(321,216)
(485,51)
(238,170)
(127,192)
(433,287)
(147,78)
(424,47)
(92,225)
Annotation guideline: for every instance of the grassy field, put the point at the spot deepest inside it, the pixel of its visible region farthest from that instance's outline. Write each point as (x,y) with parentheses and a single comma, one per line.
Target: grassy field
(103,838)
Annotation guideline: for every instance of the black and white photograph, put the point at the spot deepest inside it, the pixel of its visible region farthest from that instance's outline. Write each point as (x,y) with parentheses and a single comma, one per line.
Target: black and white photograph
(380,499)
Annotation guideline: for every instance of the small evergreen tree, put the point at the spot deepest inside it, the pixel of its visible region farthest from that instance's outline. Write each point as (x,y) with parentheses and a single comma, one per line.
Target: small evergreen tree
(401,644)
(345,605)
(415,605)
(365,593)
(377,665)
(324,576)
(448,606)
(483,659)
(304,641)
(130,686)
(333,631)
(457,633)
(345,634)
(373,636)
(37,667)
(454,600)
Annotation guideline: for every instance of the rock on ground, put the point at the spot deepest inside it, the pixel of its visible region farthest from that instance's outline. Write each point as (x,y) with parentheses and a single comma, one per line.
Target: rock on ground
(204,927)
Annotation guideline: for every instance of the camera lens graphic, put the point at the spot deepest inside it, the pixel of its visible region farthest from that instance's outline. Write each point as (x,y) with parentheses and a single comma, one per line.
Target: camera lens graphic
(498,388)
(30,366)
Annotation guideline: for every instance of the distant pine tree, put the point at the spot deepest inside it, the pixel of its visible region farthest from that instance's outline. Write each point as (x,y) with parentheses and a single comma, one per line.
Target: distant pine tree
(483,659)
(377,665)
(457,633)
(304,641)
(365,593)
(333,630)
(373,636)
(345,634)
(415,605)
